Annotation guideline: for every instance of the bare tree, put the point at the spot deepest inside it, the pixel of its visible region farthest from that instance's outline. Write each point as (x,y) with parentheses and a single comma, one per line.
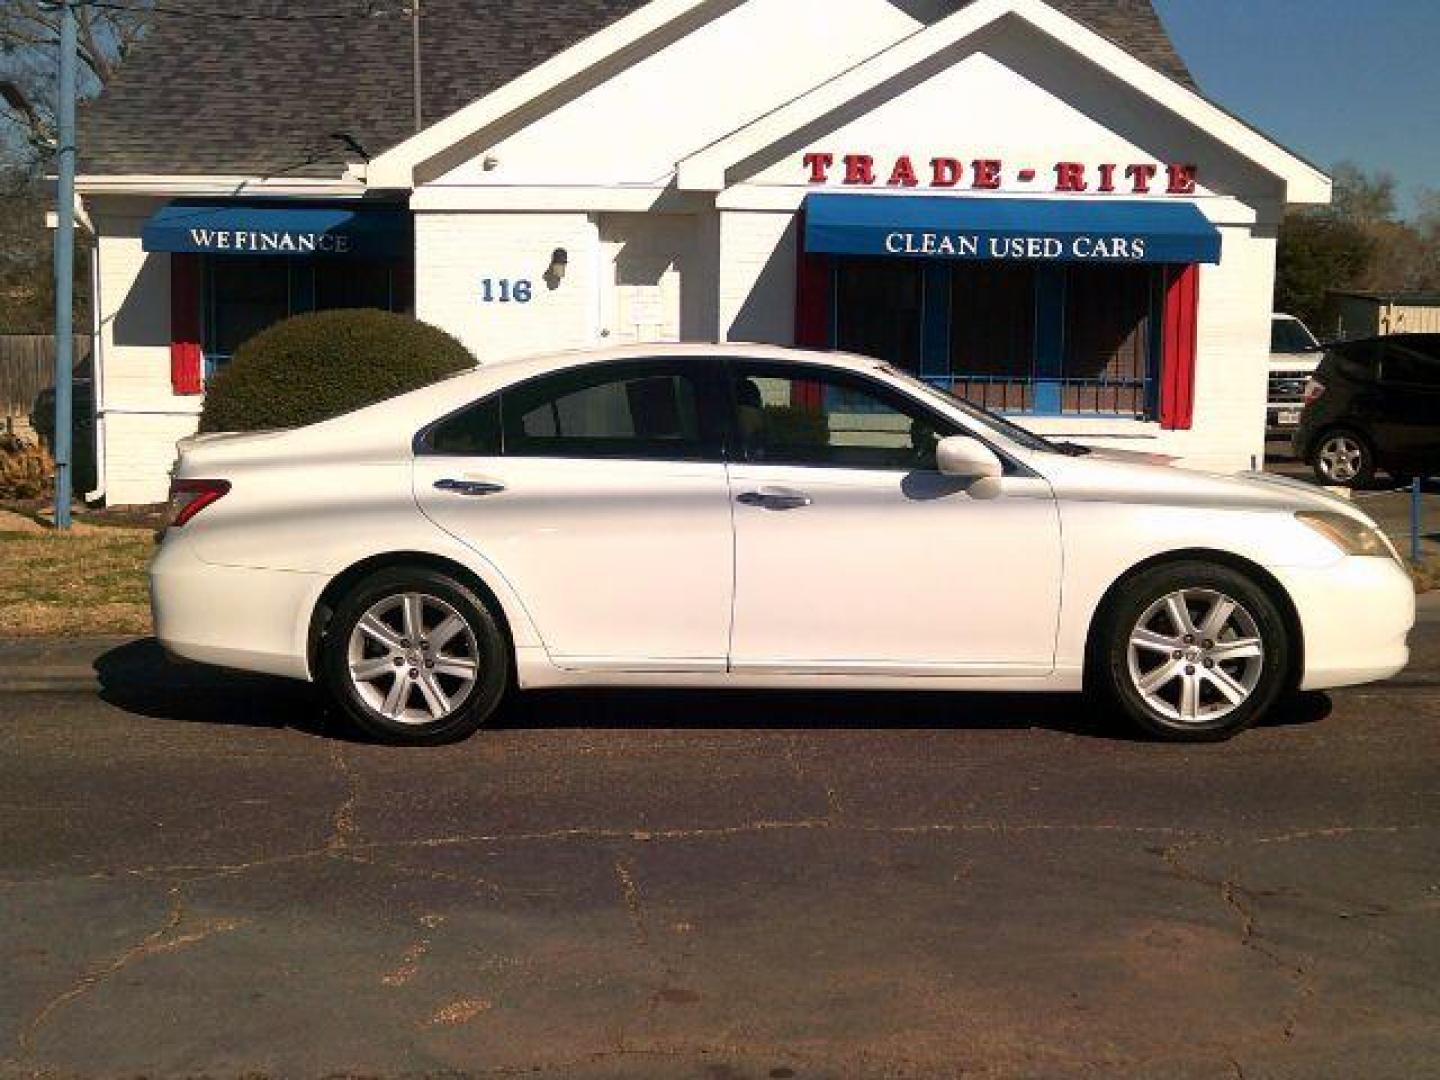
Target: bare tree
(29,37)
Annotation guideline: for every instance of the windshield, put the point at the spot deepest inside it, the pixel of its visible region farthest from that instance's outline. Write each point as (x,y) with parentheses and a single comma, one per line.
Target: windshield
(1291,336)
(1014,432)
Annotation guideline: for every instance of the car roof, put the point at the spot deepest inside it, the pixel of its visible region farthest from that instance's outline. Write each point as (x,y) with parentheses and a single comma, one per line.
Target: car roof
(664,349)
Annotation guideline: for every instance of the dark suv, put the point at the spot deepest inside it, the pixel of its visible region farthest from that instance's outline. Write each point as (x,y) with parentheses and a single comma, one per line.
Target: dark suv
(1373,403)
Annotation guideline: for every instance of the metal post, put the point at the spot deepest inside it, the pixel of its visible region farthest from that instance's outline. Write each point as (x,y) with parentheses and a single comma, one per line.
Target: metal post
(65,267)
(1417,486)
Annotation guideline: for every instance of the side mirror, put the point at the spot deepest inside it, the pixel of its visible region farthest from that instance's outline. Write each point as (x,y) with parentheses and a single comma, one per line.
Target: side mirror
(968,459)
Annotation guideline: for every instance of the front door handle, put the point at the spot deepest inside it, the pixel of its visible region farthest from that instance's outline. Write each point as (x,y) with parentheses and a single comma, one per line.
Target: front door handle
(469,487)
(775,499)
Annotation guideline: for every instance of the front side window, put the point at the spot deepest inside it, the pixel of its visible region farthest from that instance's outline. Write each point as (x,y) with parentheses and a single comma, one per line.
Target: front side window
(810,416)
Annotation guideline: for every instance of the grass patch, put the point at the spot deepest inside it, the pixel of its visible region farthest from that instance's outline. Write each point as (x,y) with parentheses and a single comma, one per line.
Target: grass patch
(84,583)
(1426,575)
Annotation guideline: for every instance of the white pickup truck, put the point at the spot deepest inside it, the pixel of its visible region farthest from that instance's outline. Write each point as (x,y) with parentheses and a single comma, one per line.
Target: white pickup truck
(1294,356)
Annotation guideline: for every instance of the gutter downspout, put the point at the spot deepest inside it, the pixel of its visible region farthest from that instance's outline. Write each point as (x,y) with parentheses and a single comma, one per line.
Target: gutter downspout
(97,369)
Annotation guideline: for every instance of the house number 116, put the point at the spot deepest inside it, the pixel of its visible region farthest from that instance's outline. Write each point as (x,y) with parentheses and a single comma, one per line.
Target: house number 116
(503,291)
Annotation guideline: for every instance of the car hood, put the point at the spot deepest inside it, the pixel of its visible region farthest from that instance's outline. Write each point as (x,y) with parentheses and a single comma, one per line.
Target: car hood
(1127,477)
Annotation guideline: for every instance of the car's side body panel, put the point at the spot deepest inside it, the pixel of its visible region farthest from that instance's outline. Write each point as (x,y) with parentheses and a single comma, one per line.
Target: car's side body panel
(894,573)
(624,564)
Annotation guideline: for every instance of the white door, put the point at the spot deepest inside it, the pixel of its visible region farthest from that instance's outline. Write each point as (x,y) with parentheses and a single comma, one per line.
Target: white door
(854,555)
(599,493)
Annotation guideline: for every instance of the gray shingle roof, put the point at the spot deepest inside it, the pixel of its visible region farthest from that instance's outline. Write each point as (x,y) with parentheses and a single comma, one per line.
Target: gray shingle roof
(258,91)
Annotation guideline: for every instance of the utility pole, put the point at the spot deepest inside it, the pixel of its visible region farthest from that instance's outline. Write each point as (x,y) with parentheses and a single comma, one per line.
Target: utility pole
(65,267)
(415,60)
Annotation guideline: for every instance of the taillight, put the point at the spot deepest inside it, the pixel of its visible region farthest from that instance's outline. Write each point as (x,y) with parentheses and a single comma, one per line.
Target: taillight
(189,497)
(1314,390)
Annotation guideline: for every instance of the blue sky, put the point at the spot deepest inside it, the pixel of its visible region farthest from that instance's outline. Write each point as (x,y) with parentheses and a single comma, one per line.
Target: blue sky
(1332,79)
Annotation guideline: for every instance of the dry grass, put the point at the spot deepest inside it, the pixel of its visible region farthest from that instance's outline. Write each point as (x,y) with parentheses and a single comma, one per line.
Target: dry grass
(85,583)
(1426,575)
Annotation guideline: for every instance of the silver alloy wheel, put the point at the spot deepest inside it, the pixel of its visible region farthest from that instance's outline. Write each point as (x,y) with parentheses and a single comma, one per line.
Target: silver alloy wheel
(413,658)
(1196,656)
(1340,458)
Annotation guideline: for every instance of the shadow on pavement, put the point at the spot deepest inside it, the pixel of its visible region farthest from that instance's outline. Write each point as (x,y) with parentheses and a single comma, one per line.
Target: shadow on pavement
(140,679)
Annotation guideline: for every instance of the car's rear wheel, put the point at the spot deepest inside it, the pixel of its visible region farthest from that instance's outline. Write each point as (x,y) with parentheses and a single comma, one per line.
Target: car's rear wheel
(1344,458)
(1193,652)
(415,657)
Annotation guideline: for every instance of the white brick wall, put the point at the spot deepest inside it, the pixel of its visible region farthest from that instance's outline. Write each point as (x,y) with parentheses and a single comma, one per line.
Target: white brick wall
(455,252)
(757,276)
(142,417)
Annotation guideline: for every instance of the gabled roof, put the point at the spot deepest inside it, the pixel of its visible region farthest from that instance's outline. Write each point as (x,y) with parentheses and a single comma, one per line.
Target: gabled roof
(705,170)
(260,88)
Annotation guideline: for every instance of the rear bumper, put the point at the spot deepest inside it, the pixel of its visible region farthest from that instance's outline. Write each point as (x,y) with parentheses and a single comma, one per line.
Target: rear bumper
(232,616)
(1356,617)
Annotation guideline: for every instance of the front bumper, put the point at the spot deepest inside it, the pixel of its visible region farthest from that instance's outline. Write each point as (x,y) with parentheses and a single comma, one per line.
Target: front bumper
(232,616)
(1356,616)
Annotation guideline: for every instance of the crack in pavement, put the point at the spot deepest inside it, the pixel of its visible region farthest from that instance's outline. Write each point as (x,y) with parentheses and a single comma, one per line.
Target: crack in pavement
(343,829)
(201,871)
(168,938)
(1241,902)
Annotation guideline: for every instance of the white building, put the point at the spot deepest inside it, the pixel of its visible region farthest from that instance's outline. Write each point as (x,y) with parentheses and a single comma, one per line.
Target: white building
(1029,203)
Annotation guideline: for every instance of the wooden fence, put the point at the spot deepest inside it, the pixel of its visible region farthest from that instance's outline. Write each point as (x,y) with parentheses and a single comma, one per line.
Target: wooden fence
(27,366)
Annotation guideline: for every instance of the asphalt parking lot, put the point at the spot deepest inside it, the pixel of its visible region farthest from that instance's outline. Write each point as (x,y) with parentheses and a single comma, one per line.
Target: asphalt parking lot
(201,877)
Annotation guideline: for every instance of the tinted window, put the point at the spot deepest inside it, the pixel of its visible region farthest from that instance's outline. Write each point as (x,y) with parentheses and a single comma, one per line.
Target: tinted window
(472,432)
(1356,359)
(1405,363)
(789,416)
(634,410)
(1290,336)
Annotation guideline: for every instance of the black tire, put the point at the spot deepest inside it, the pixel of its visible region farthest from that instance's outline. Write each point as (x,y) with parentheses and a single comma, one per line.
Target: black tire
(1327,452)
(1115,677)
(473,704)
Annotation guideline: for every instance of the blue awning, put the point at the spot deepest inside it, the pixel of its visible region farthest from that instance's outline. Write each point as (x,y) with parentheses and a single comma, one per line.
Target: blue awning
(281,229)
(1046,230)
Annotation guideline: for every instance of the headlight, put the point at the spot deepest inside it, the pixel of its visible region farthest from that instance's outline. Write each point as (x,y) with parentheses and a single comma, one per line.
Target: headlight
(1349,535)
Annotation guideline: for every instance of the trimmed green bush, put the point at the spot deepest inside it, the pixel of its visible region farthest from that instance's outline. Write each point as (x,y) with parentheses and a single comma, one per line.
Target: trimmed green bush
(313,367)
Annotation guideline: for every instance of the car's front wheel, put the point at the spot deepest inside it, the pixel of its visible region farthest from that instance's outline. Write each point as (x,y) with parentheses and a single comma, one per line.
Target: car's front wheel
(415,657)
(1192,652)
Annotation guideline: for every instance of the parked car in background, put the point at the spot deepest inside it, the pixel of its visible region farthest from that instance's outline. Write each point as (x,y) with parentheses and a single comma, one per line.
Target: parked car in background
(1294,355)
(1374,403)
(713,516)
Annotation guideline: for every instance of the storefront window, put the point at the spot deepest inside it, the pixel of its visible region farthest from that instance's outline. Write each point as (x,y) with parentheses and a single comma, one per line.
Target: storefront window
(244,295)
(878,309)
(992,333)
(1109,344)
(1012,336)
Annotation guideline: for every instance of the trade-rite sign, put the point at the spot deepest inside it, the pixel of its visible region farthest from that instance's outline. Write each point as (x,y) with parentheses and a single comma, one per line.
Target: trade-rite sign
(991,174)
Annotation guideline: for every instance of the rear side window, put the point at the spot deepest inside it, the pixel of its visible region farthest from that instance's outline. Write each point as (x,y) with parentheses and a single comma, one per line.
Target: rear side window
(472,432)
(1409,361)
(639,410)
(1359,360)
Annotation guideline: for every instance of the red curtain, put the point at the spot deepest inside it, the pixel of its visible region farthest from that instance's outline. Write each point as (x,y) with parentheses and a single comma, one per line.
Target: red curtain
(1177,369)
(186,357)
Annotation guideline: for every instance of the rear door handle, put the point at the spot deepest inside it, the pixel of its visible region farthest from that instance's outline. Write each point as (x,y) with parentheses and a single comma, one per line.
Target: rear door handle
(469,487)
(775,499)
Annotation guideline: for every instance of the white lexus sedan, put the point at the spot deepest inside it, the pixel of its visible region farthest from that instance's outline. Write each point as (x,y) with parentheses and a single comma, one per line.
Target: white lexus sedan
(747,516)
